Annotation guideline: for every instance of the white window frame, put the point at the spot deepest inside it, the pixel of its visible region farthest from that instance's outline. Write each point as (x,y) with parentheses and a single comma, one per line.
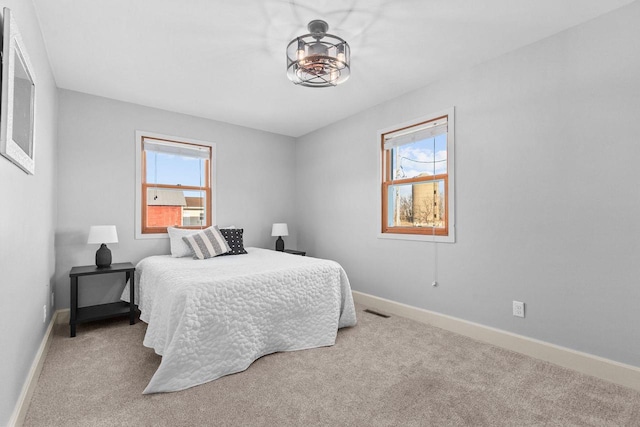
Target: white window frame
(451,236)
(140,135)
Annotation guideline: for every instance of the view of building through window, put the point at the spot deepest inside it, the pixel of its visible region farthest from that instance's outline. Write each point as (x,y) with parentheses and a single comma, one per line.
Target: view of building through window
(175,207)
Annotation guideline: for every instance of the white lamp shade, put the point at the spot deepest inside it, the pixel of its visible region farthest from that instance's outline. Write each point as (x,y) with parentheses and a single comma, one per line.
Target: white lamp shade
(279,229)
(103,234)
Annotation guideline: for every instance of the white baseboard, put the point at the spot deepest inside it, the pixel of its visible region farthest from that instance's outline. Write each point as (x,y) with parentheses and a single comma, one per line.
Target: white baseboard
(20,411)
(606,369)
(63,315)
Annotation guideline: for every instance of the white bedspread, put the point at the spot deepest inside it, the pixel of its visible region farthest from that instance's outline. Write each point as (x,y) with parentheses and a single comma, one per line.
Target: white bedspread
(210,318)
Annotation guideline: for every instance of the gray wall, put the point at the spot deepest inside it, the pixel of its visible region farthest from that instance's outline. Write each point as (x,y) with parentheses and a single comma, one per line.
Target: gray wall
(255,182)
(547,199)
(27,224)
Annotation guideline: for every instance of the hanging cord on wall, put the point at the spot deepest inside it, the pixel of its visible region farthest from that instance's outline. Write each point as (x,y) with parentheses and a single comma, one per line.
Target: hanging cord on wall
(433,228)
(394,172)
(155,175)
(201,204)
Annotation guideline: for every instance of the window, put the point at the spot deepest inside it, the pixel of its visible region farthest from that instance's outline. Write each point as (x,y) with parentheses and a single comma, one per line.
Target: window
(174,185)
(417,179)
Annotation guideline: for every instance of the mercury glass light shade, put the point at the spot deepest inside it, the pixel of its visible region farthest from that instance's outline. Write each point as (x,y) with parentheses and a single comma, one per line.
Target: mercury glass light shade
(102,234)
(318,59)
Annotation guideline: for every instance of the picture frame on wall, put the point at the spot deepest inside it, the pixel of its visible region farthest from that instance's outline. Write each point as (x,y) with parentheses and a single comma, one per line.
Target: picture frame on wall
(18,99)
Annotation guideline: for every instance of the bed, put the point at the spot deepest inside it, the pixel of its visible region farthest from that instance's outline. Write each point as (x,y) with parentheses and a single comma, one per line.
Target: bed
(214,317)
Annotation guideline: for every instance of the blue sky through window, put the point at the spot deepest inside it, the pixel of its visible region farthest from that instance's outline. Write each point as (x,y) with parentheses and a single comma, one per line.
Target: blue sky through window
(172,169)
(427,156)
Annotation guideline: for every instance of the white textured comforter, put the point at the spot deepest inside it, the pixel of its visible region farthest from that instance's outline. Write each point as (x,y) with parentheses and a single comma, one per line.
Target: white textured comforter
(210,318)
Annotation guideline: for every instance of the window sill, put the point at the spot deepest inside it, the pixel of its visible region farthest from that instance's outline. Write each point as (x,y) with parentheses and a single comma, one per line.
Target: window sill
(418,237)
(140,236)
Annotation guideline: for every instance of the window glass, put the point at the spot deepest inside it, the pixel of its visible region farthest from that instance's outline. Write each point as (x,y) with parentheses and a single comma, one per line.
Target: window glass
(417,205)
(174,169)
(423,157)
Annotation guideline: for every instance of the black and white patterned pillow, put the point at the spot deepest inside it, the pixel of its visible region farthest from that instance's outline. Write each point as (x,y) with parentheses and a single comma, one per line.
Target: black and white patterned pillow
(234,240)
(207,243)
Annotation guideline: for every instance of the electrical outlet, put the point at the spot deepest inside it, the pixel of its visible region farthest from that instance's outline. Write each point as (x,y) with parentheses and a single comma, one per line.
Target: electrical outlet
(44,313)
(518,309)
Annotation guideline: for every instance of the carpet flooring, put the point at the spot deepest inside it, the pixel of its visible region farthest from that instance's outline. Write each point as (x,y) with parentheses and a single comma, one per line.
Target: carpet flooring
(382,372)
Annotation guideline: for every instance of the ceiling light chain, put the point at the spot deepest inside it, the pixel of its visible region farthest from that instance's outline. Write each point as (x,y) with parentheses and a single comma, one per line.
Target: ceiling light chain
(318,59)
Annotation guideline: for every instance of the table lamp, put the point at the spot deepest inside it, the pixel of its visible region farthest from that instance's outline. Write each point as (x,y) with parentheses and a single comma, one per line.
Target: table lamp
(103,234)
(279,229)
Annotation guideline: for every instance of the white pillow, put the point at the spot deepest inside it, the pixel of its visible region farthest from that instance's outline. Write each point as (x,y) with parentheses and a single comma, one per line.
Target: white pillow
(207,243)
(178,246)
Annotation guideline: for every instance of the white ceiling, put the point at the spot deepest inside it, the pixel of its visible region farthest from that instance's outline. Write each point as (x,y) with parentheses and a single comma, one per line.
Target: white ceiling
(225,60)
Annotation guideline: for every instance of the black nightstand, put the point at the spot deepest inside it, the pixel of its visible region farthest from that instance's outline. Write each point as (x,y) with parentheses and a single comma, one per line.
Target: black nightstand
(294,252)
(101,311)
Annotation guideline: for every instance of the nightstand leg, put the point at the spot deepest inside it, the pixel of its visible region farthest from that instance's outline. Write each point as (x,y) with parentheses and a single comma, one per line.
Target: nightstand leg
(74,305)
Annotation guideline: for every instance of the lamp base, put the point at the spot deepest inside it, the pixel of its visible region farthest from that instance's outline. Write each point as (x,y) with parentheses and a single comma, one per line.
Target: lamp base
(103,256)
(280,244)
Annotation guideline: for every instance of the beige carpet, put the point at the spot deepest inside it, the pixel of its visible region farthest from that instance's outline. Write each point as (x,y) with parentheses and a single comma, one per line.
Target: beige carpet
(383,372)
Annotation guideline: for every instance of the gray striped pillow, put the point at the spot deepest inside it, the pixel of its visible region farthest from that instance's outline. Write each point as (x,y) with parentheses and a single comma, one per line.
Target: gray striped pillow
(207,243)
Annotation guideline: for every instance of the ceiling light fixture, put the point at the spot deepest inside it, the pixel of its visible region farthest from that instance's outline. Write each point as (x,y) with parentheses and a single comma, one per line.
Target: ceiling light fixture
(318,59)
